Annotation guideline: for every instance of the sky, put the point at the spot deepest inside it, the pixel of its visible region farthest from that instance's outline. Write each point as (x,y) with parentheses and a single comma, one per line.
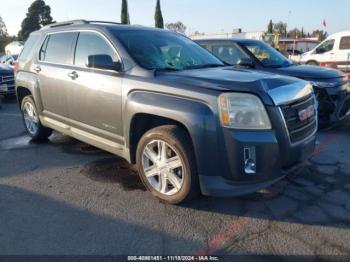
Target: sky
(208,16)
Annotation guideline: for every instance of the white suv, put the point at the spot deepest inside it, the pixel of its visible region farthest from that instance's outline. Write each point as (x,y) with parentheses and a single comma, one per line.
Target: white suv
(335,50)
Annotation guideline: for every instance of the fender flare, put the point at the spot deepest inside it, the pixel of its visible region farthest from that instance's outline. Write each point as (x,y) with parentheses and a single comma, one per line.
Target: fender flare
(196,116)
(30,82)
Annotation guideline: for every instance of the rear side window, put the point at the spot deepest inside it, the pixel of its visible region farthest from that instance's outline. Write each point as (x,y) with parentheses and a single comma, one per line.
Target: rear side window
(57,48)
(344,43)
(90,43)
(28,47)
(230,54)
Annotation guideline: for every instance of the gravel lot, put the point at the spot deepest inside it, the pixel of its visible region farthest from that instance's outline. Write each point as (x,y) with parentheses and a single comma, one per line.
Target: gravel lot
(64,197)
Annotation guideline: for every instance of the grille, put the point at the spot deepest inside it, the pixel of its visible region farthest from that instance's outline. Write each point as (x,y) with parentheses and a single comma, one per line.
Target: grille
(298,129)
(7,79)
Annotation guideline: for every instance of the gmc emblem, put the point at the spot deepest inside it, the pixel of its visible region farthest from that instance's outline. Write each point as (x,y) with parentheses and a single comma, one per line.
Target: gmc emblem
(306,113)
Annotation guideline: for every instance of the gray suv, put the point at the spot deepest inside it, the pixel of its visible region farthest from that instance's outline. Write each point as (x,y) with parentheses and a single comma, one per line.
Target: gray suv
(190,123)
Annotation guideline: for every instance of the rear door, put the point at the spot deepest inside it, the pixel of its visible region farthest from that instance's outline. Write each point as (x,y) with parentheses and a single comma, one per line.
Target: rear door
(53,66)
(94,95)
(343,54)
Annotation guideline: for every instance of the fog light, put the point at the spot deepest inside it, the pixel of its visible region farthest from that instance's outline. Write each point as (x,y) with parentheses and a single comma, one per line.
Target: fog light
(249,160)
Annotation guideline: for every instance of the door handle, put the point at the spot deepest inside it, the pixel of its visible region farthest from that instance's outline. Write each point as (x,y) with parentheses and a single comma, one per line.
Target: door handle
(37,69)
(74,75)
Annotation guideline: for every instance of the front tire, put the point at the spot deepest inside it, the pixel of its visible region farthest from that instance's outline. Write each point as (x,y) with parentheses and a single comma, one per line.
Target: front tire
(32,122)
(166,164)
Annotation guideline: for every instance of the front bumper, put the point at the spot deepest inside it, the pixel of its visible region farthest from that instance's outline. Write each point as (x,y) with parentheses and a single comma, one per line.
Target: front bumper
(273,152)
(334,103)
(274,160)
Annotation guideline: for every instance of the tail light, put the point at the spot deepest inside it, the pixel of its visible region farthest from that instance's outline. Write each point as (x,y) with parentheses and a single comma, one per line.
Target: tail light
(15,67)
(329,64)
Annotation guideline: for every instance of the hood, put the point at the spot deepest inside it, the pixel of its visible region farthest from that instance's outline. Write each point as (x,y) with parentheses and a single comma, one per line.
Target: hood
(5,70)
(307,72)
(231,79)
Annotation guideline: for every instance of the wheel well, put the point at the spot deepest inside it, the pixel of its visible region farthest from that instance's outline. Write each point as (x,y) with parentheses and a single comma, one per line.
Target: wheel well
(22,92)
(142,123)
(312,61)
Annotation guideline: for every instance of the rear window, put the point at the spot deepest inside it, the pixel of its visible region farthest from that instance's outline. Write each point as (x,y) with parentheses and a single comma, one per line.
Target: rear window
(57,48)
(344,43)
(28,47)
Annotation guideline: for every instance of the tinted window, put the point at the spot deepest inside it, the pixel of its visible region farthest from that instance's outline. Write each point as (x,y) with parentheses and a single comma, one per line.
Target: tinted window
(325,47)
(56,48)
(28,47)
(164,50)
(267,55)
(230,54)
(43,49)
(345,43)
(92,44)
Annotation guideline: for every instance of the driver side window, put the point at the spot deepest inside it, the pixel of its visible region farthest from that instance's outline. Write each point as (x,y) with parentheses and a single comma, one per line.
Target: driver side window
(325,47)
(90,43)
(230,54)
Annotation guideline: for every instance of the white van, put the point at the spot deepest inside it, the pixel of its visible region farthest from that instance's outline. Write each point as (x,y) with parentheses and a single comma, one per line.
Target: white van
(334,50)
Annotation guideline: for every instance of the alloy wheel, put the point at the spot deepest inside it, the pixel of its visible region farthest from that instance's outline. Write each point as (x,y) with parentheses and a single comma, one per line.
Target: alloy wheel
(163,167)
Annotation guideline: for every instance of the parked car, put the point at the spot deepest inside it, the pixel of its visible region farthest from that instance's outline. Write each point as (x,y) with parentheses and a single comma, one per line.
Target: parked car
(14,48)
(7,81)
(9,60)
(331,86)
(336,48)
(162,102)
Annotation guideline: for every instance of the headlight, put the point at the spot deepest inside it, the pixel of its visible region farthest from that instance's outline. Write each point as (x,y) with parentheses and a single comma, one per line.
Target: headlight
(323,84)
(243,111)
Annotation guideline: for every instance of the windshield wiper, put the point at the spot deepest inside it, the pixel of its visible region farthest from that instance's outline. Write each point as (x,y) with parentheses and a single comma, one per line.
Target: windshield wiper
(166,69)
(274,66)
(204,66)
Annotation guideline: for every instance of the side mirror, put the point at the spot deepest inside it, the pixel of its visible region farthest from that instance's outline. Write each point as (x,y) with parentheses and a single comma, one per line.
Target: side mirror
(246,62)
(103,62)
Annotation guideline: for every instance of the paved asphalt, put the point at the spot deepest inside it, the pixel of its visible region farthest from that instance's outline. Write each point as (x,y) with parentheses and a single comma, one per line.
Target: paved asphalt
(64,197)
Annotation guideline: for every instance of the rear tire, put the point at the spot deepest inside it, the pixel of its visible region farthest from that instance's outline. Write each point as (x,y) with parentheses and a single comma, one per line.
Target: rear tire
(32,122)
(166,155)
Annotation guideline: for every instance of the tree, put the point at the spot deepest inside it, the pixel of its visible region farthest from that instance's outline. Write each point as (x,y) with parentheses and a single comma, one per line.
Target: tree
(320,34)
(4,37)
(39,14)
(125,18)
(270,27)
(158,17)
(295,33)
(280,28)
(177,27)
(303,33)
(3,29)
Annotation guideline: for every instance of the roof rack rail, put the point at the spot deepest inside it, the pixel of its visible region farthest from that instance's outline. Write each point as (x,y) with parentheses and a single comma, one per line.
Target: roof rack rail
(65,23)
(102,22)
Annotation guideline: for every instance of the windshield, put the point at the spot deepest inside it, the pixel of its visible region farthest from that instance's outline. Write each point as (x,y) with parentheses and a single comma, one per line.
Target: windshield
(267,55)
(164,50)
